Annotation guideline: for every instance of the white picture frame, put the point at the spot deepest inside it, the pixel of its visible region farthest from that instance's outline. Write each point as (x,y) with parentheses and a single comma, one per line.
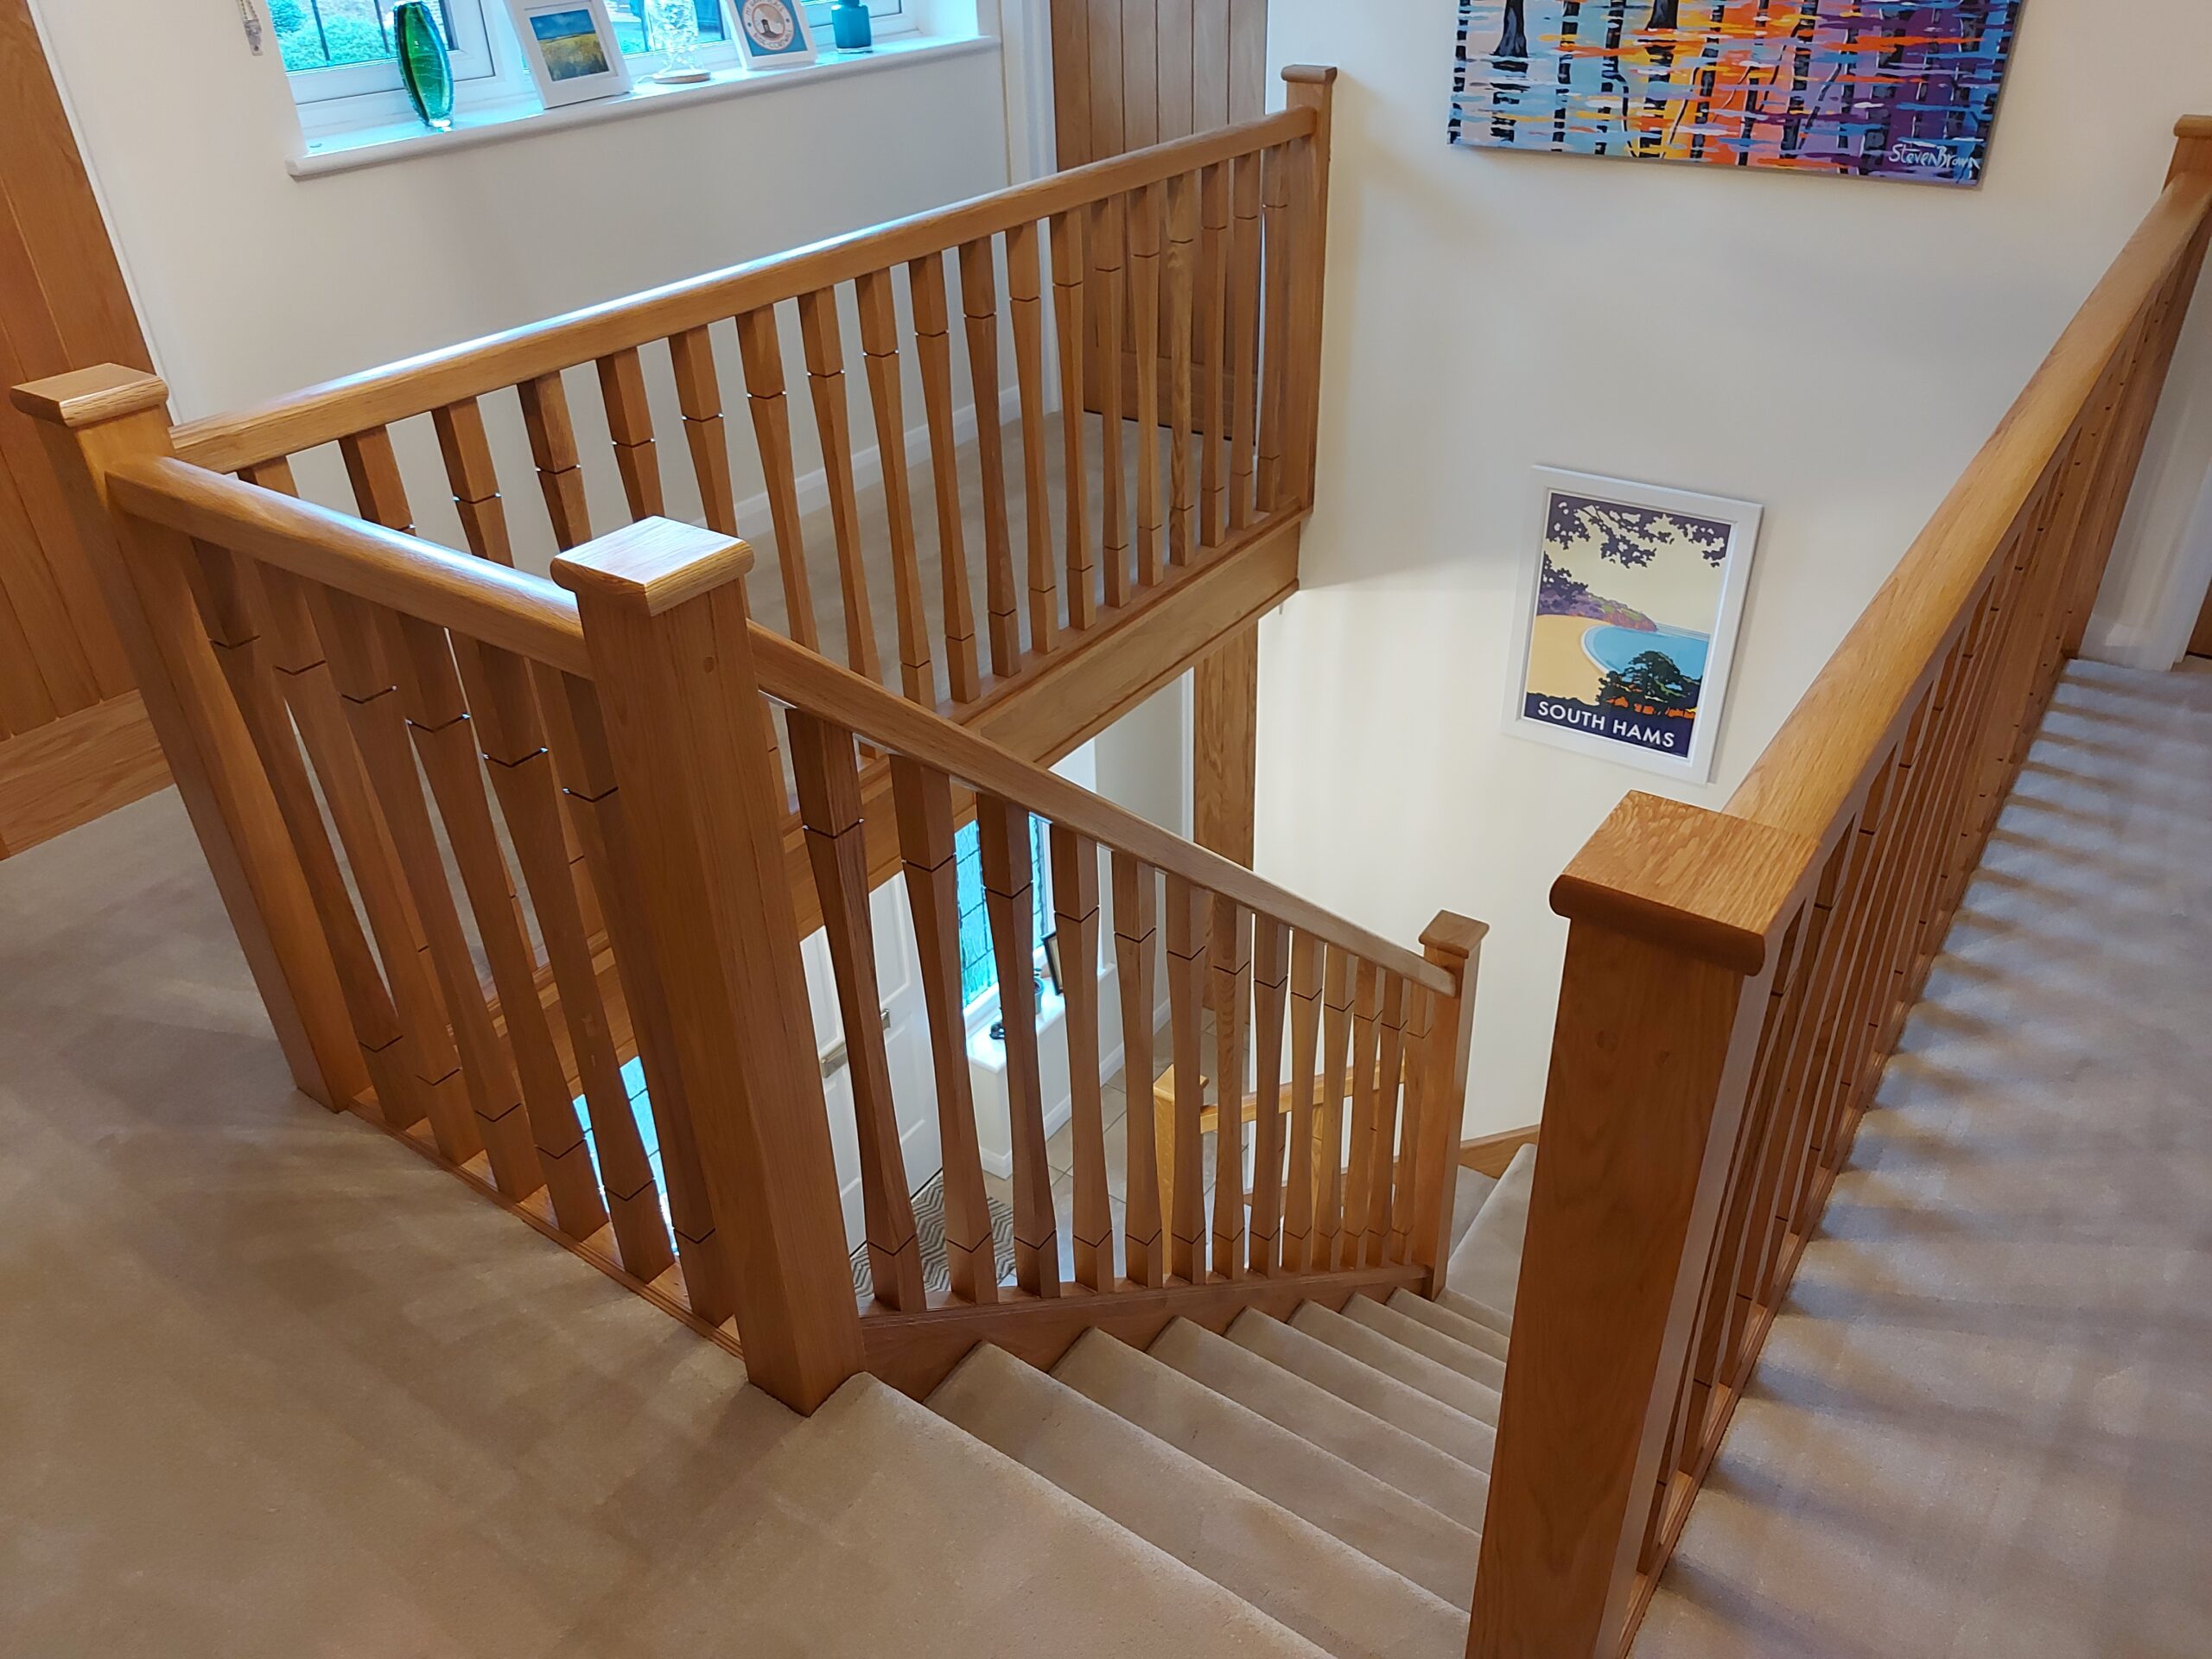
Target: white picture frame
(772,34)
(1612,563)
(571,49)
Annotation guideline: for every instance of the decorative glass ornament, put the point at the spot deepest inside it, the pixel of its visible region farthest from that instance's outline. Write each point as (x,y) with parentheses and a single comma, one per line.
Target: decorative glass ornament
(672,28)
(850,26)
(425,67)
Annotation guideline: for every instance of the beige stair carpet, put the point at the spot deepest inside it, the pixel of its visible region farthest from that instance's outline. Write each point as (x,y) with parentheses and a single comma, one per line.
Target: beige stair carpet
(1423,1338)
(1457,1327)
(1470,1440)
(1485,1265)
(1370,1347)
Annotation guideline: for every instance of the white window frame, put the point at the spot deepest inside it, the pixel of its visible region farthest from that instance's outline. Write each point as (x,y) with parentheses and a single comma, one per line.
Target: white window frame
(472,60)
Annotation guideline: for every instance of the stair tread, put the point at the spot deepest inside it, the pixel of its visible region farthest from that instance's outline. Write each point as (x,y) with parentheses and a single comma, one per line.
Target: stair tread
(1428,1341)
(1344,1602)
(1468,1439)
(1457,1327)
(1352,1505)
(876,1506)
(1453,1300)
(1407,1462)
(1471,1192)
(1486,1264)
(1418,1371)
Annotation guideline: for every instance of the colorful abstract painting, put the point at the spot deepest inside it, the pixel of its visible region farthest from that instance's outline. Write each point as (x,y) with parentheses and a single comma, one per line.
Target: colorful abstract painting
(1862,87)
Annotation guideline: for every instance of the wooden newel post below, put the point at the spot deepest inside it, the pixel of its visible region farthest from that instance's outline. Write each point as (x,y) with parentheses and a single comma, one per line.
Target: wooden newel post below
(1453,943)
(1674,913)
(665,619)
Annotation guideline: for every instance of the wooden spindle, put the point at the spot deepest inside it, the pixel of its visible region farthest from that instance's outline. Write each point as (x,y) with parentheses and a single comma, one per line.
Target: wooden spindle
(1312,88)
(1274,314)
(979,305)
(1360,1154)
(699,399)
(1329,1126)
(826,373)
(1136,944)
(560,468)
(475,479)
(1389,1077)
(830,806)
(1231,951)
(1146,209)
(1010,896)
(1243,346)
(760,351)
(1212,314)
(1305,957)
(1270,986)
(1182,277)
(1075,924)
(1108,239)
(880,347)
(629,423)
(933,348)
(923,797)
(1069,260)
(1184,1181)
(372,468)
(1414,1124)
(1025,297)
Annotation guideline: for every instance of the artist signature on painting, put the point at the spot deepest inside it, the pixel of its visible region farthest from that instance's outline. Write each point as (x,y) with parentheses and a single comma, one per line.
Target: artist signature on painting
(1913,152)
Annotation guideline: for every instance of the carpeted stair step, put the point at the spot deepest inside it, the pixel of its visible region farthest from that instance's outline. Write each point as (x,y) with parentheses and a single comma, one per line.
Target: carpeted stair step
(1344,1602)
(1361,1438)
(1485,1265)
(1371,1347)
(1468,1197)
(1469,1439)
(1457,1327)
(1351,1505)
(1428,1342)
(1454,1302)
(876,1506)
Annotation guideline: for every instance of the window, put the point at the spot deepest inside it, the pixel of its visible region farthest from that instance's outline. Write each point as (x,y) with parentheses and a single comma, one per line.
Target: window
(629,19)
(979,965)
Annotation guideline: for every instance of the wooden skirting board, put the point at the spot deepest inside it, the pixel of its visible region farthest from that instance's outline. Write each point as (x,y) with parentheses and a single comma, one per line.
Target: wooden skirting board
(72,770)
(1491,1153)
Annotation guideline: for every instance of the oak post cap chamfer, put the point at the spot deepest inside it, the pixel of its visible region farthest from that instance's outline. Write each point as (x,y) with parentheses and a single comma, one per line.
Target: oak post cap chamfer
(1309,74)
(85,397)
(1711,885)
(1454,935)
(653,565)
(2194,126)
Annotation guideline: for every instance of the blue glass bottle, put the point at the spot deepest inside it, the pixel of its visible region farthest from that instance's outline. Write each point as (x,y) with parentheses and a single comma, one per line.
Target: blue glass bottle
(425,67)
(850,26)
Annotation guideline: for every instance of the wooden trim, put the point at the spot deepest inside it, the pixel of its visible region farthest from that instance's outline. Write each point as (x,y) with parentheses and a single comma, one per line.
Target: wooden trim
(1491,1154)
(1225,746)
(914,1353)
(72,770)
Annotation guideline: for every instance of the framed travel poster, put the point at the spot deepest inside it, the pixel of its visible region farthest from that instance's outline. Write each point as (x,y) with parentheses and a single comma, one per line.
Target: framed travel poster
(773,33)
(1628,620)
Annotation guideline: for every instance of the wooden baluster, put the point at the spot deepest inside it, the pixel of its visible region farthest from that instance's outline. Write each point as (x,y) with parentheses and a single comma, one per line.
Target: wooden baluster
(760,349)
(979,304)
(1275,321)
(1009,893)
(1136,942)
(363,678)
(510,736)
(826,373)
(475,479)
(1359,1160)
(1329,1125)
(699,398)
(1109,239)
(614,854)
(1146,208)
(1212,323)
(830,803)
(923,800)
(1413,1124)
(372,468)
(1308,88)
(560,468)
(1244,337)
(1388,1074)
(1182,281)
(1305,1127)
(933,348)
(1232,997)
(1074,923)
(665,619)
(880,348)
(438,716)
(1025,295)
(1453,943)
(629,423)
(1183,1183)
(1069,261)
(1270,984)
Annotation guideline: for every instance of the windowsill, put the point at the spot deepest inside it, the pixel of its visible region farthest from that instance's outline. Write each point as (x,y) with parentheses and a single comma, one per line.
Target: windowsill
(343,152)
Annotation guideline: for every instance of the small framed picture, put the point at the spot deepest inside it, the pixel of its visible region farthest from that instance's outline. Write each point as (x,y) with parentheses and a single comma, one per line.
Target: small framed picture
(1627,625)
(772,34)
(571,49)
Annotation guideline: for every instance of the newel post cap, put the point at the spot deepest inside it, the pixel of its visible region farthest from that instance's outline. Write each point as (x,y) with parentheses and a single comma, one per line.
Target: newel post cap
(1309,74)
(653,565)
(85,398)
(1453,936)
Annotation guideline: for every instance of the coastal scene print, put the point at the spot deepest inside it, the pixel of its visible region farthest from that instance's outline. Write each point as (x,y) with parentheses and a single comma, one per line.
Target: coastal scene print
(1629,600)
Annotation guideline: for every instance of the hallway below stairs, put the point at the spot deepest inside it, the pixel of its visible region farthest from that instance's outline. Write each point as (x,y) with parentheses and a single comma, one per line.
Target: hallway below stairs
(1982,1423)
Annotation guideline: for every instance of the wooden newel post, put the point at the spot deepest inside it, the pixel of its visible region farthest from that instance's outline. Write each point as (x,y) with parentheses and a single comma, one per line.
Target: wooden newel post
(1310,86)
(1453,943)
(94,421)
(1675,910)
(665,619)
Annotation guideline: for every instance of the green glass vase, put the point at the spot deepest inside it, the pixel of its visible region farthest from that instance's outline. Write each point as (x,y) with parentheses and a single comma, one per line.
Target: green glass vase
(424,64)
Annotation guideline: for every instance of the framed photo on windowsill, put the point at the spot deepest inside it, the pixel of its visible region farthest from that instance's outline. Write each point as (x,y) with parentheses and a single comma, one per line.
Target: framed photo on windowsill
(772,34)
(571,48)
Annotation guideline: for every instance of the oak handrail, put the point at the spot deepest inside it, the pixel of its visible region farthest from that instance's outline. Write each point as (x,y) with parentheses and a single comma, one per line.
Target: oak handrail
(324,414)
(528,615)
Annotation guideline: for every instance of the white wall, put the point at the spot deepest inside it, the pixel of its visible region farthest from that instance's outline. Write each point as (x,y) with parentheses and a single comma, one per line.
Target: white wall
(1835,349)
